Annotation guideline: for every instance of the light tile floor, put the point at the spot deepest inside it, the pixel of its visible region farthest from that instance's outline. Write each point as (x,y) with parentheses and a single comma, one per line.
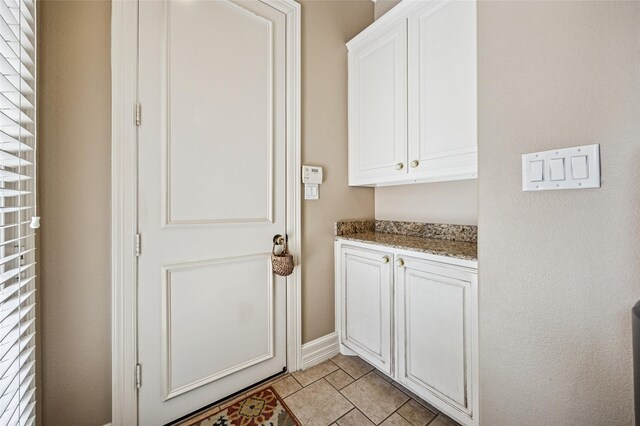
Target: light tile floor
(347,391)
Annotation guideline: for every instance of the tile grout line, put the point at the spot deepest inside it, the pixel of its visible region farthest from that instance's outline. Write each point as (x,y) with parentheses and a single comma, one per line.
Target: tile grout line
(355,406)
(434,419)
(345,415)
(303,387)
(337,368)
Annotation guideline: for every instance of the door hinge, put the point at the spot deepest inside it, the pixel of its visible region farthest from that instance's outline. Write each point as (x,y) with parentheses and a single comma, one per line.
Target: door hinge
(138,376)
(138,114)
(138,244)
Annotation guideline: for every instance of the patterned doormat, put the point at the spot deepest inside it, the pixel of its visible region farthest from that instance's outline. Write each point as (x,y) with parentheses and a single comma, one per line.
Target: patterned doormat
(261,408)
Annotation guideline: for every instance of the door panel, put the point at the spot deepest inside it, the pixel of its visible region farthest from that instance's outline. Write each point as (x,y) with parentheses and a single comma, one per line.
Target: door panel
(220,93)
(434,311)
(211,315)
(367,282)
(247,337)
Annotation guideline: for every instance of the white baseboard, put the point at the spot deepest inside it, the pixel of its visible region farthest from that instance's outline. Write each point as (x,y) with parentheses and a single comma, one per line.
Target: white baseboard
(320,350)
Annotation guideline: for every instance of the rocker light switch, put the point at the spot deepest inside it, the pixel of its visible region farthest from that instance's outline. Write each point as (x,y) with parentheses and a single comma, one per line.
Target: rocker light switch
(556,168)
(580,167)
(567,168)
(537,173)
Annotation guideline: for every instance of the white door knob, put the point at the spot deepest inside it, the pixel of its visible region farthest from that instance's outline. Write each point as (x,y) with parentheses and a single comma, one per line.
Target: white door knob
(415,163)
(399,263)
(385,259)
(399,166)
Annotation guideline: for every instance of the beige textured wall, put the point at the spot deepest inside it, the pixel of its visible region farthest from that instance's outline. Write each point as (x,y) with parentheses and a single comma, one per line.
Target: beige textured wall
(559,270)
(74,140)
(438,202)
(383,6)
(441,202)
(326,27)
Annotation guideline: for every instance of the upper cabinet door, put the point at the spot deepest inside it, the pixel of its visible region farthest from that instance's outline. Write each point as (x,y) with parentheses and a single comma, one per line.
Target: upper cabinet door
(378,107)
(443,91)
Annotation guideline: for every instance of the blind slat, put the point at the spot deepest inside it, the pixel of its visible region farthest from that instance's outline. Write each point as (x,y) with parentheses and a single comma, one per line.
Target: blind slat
(12,128)
(10,160)
(14,348)
(12,273)
(20,366)
(6,210)
(11,399)
(13,225)
(8,193)
(12,110)
(9,71)
(9,176)
(18,240)
(9,290)
(11,144)
(13,365)
(18,319)
(12,257)
(11,32)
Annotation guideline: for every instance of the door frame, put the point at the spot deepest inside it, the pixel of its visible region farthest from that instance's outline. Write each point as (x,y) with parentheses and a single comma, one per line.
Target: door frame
(124,196)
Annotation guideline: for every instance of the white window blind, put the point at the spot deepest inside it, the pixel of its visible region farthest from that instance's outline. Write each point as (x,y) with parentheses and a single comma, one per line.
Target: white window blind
(17,207)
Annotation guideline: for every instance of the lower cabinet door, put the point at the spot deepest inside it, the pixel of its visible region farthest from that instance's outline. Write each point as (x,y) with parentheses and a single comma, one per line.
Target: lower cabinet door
(366,284)
(434,312)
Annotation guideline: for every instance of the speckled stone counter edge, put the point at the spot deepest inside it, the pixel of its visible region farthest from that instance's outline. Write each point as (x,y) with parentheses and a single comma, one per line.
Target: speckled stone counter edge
(448,248)
(354,226)
(440,231)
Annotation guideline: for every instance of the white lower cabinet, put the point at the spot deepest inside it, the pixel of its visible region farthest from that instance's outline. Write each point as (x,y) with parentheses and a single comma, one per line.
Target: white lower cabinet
(434,319)
(414,317)
(366,294)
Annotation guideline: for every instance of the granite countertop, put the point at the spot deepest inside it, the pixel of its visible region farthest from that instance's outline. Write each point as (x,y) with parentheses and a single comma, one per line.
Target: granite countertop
(449,246)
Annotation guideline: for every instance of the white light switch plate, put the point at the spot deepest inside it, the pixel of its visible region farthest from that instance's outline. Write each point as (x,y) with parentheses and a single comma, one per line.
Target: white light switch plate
(567,168)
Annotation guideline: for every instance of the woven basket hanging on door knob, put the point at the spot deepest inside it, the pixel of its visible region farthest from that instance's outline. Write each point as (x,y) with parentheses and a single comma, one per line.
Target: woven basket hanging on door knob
(282,263)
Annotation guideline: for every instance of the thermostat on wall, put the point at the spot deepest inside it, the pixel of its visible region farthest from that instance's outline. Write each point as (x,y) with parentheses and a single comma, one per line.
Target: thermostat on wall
(312,178)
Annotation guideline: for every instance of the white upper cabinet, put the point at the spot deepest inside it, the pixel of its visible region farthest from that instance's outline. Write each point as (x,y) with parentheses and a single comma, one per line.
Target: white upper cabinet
(378,113)
(421,125)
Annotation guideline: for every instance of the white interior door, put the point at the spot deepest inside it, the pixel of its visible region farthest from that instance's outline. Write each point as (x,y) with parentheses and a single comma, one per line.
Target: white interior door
(211,315)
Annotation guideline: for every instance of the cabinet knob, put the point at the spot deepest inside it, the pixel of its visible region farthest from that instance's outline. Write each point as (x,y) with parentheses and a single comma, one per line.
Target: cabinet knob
(385,259)
(399,263)
(415,163)
(399,166)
